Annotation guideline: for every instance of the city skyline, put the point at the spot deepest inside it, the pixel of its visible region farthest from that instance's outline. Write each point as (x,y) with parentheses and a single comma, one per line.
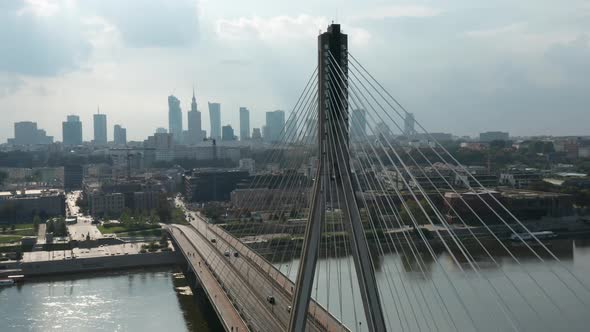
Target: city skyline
(530,64)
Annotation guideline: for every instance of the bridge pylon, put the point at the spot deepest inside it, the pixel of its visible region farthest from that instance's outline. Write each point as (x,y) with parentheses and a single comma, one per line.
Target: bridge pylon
(334,172)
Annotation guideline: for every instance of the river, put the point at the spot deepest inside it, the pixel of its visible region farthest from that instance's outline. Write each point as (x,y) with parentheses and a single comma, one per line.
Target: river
(140,300)
(416,296)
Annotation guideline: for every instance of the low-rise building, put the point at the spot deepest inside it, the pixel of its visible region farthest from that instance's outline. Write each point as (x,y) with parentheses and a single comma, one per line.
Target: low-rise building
(106,204)
(73,177)
(213,184)
(519,180)
(526,205)
(22,206)
(257,199)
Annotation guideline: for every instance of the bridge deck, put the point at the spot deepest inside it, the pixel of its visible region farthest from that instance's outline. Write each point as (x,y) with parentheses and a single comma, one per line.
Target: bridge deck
(248,279)
(230,318)
(319,318)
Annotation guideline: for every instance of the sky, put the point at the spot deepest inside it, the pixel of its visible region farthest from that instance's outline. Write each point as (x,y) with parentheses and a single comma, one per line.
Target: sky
(460,66)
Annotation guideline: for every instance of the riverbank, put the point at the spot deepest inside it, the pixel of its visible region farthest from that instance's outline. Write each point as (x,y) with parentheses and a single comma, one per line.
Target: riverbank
(82,260)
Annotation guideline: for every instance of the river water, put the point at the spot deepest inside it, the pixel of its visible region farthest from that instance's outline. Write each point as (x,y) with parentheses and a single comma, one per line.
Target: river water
(417,296)
(440,295)
(140,300)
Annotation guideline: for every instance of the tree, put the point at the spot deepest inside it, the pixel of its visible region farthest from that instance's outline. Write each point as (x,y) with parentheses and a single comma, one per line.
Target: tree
(61,229)
(36,222)
(3,177)
(12,227)
(416,212)
(3,229)
(164,241)
(50,226)
(125,219)
(88,236)
(164,210)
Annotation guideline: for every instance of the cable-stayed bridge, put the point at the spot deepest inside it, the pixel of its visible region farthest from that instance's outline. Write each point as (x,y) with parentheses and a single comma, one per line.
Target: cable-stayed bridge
(344,195)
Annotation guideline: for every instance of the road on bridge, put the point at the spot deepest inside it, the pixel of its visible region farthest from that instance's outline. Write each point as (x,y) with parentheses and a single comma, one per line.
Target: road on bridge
(229,316)
(258,275)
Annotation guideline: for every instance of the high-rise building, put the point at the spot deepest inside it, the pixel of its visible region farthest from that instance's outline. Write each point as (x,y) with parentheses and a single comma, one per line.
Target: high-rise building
(73,177)
(161,130)
(215,117)
(358,124)
(174,118)
(100,129)
(42,137)
(244,124)
(256,134)
(120,135)
(409,125)
(194,123)
(72,130)
(291,134)
(27,133)
(383,131)
(275,123)
(311,131)
(227,133)
(489,136)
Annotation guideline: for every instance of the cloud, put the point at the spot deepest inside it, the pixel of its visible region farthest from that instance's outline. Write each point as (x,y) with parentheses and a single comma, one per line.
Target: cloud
(281,30)
(40,7)
(38,40)
(9,84)
(497,31)
(572,57)
(397,11)
(149,23)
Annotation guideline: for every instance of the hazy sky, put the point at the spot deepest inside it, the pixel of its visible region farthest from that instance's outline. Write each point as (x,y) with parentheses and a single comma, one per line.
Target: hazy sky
(461,66)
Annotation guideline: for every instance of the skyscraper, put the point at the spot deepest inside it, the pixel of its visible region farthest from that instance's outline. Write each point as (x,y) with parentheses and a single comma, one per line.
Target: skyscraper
(27,133)
(100,128)
(358,124)
(244,124)
(227,133)
(120,135)
(215,116)
(194,123)
(174,118)
(291,134)
(256,134)
(275,123)
(72,130)
(409,125)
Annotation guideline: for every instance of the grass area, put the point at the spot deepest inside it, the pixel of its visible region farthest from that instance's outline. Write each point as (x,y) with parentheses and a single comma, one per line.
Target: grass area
(145,232)
(9,238)
(19,229)
(21,226)
(23,232)
(126,229)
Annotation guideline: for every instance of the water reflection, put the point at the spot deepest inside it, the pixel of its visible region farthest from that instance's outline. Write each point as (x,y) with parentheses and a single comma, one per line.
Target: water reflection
(107,302)
(422,292)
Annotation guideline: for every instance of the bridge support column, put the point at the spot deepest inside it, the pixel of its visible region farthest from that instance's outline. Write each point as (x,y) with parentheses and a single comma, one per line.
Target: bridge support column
(334,169)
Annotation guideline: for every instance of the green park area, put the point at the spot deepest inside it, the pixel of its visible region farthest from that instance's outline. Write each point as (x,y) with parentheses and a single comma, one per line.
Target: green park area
(142,224)
(4,239)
